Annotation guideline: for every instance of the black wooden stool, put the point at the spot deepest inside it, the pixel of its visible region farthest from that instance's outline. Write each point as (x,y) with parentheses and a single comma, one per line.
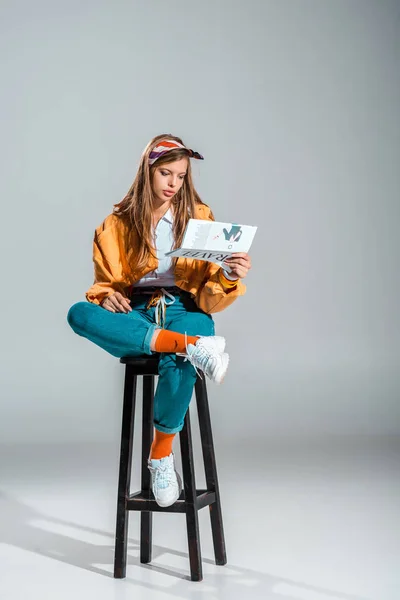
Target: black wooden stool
(191,499)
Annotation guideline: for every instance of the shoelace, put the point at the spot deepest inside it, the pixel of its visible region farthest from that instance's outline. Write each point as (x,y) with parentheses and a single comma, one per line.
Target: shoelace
(163,474)
(201,353)
(159,302)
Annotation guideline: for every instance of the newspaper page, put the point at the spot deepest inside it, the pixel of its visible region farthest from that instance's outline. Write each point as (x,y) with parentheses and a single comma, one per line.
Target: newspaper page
(214,241)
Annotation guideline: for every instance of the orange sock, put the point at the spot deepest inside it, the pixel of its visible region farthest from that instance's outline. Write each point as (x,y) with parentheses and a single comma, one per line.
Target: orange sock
(162,444)
(171,341)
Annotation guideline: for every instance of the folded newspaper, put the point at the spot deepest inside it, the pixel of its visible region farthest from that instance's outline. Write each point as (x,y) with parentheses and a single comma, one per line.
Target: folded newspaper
(214,241)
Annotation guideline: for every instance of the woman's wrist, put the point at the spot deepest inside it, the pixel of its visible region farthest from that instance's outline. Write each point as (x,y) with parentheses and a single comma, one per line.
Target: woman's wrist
(226,281)
(229,277)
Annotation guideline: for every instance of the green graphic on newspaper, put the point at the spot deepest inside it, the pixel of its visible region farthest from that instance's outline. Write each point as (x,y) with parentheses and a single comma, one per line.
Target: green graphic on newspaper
(234,234)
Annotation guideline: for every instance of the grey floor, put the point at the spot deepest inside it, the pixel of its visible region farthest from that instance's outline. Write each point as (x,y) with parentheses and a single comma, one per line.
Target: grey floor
(304,520)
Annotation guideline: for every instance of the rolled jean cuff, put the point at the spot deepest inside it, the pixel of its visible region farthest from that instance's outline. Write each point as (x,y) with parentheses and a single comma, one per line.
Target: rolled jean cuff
(168,429)
(148,337)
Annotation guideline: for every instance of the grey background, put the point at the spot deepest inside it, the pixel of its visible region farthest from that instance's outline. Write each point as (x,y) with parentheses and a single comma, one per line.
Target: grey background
(295,106)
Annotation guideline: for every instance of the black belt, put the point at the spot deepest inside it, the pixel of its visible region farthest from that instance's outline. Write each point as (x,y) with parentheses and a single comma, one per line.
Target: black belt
(151,289)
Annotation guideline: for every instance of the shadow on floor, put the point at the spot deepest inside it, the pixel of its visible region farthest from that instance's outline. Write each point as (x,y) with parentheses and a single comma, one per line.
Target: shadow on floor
(17,529)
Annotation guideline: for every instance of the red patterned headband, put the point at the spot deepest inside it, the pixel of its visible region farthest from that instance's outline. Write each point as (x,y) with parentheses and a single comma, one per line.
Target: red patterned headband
(165,146)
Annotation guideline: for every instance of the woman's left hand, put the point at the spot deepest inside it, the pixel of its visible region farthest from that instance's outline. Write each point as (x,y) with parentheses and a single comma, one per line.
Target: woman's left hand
(239,263)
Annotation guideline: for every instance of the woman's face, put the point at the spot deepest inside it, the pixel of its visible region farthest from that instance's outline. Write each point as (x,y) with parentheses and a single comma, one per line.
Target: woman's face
(168,179)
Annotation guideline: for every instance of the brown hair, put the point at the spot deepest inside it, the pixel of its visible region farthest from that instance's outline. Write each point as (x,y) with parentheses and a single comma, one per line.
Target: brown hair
(136,206)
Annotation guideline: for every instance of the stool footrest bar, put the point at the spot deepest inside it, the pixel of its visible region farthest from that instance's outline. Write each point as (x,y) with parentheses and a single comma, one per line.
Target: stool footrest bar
(141,501)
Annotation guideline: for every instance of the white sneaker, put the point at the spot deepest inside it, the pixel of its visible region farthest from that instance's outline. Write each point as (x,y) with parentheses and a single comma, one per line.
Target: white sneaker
(166,483)
(206,356)
(217,340)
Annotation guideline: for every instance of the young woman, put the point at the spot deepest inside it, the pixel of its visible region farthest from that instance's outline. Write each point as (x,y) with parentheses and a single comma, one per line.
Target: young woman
(142,301)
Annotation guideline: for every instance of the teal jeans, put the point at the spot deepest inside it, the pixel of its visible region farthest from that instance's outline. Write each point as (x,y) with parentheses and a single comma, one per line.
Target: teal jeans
(129,334)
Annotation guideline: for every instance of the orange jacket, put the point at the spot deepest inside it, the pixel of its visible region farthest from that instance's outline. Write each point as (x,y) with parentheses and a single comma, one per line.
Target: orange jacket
(114,268)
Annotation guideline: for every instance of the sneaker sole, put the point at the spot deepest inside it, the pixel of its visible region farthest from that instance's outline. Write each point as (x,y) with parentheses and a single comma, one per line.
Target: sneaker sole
(219,378)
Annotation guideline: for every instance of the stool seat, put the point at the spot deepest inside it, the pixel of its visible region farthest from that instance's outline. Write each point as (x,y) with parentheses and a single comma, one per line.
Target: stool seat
(146,365)
(191,499)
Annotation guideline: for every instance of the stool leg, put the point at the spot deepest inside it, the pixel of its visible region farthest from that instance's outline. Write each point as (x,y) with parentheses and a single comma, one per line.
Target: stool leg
(125,465)
(146,517)
(210,468)
(192,518)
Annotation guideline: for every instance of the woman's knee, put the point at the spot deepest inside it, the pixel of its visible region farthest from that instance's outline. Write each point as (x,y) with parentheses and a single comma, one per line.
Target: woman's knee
(78,315)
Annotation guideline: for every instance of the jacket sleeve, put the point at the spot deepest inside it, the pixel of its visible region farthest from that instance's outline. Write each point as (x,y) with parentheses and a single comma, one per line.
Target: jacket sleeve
(213,296)
(105,282)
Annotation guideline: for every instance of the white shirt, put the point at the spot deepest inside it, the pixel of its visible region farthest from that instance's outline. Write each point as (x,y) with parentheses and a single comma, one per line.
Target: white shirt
(163,240)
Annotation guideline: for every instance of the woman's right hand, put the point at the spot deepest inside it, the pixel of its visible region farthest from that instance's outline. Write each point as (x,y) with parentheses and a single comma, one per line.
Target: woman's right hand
(117,302)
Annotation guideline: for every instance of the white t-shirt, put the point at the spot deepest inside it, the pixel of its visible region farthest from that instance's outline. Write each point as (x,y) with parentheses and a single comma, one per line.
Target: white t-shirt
(163,241)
